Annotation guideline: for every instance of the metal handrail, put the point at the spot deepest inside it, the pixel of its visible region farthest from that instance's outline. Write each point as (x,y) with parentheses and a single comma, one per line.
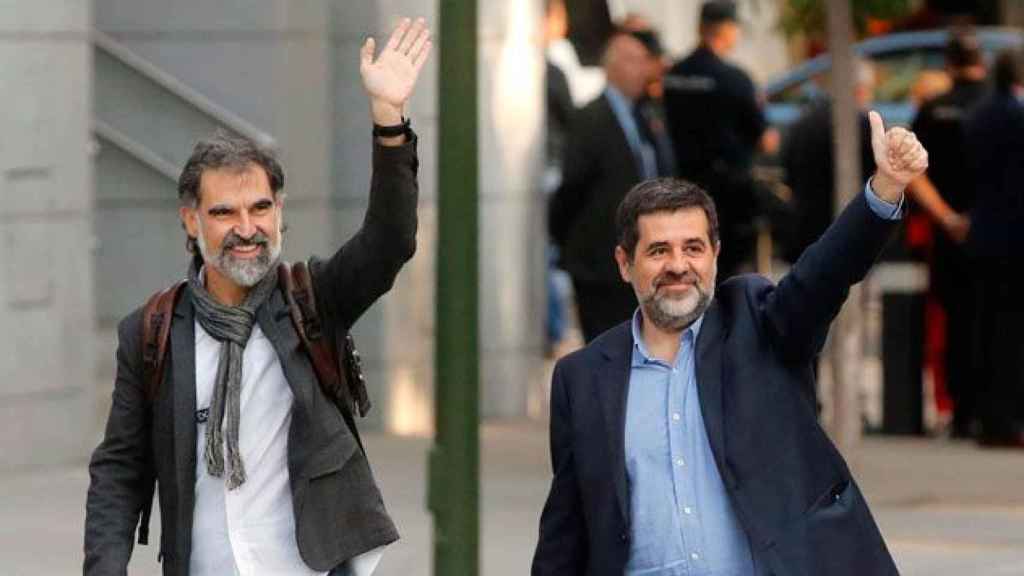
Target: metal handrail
(135,149)
(222,115)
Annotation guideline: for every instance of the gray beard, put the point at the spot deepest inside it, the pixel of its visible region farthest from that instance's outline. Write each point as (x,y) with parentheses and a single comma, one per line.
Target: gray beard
(245,273)
(674,315)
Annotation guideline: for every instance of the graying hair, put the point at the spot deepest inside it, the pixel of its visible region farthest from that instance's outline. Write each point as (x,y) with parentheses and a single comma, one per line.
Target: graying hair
(661,195)
(225,150)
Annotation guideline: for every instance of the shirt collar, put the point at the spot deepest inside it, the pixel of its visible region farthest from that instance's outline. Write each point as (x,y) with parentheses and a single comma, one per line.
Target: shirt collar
(618,99)
(640,354)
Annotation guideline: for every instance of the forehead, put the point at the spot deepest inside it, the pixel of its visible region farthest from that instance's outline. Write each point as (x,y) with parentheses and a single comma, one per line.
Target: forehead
(218,185)
(678,225)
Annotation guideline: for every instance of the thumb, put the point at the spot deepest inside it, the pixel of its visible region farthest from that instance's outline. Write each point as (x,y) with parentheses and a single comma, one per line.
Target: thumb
(366,53)
(877,132)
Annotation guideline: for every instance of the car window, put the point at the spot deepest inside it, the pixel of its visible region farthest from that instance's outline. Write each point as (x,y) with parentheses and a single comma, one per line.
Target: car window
(895,73)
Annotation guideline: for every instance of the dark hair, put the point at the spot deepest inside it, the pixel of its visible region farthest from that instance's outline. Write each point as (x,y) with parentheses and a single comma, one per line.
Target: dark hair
(225,150)
(963,49)
(1007,70)
(661,195)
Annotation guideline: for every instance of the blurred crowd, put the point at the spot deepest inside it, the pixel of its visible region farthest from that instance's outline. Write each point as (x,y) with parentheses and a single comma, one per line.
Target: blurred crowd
(701,118)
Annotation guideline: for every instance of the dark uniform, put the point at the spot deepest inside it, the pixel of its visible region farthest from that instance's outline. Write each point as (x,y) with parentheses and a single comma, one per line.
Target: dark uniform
(806,156)
(940,126)
(715,122)
(995,139)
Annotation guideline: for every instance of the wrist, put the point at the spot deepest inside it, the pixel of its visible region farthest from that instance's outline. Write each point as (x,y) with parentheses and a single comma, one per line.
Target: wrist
(385,113)
(886,188)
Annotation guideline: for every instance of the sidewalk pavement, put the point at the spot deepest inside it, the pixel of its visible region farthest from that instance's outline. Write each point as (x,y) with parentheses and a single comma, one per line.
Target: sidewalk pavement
(944,507)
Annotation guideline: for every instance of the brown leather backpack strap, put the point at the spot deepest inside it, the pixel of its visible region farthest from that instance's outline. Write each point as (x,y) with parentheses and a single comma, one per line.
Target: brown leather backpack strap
(324,356)
(156,331)
(297,286)
(349,366)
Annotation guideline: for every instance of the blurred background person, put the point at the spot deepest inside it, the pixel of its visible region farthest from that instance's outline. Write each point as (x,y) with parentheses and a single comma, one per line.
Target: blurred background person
(995,140)
(559,110)
(609,148)
(946,194)
(716,123)
(807,160)
(928,85)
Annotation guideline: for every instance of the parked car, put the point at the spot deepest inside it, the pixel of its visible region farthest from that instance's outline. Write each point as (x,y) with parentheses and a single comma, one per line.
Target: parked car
(898,60)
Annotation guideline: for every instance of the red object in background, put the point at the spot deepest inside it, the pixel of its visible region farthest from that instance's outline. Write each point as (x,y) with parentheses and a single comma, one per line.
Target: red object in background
(919,236)
(935,351)
(877,27)
(919,232)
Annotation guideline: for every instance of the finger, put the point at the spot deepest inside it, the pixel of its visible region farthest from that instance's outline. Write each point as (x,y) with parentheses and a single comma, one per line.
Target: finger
(877,132)
(396,36)
(906,144)
(412,36)
(421,38)
(366,53)
(921,161)
(420,58)
(898,143)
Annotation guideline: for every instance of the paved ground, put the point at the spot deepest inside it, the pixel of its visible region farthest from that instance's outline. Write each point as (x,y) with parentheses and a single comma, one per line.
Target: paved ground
(945,508)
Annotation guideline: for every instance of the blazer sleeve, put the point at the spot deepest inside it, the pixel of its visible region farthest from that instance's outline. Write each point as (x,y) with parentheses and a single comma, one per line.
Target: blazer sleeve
(799,311)
(118,470)
(366,266)
(562,546)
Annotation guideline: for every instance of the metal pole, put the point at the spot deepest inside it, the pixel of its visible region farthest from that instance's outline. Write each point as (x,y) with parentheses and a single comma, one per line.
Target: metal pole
(847,342)
(454,490)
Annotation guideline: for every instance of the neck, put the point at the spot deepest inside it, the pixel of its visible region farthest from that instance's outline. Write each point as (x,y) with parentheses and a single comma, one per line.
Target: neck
(662,344)
(714,46)
(971,74)
(223,289)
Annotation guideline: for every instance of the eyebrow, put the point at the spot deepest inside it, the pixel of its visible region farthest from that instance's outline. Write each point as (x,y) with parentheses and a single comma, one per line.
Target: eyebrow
(222,207)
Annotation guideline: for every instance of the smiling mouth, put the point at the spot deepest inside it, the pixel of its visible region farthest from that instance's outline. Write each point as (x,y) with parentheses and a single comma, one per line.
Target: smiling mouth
(248,251)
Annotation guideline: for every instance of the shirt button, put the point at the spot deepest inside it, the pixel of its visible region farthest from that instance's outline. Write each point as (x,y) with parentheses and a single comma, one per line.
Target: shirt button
(688,510)
(680,462)
(675,416)
(695,556)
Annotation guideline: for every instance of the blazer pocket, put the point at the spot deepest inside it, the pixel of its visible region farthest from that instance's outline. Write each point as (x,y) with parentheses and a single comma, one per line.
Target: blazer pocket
(330,457)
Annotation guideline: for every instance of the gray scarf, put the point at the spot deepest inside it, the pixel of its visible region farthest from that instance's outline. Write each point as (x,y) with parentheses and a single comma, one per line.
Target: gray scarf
(230,325)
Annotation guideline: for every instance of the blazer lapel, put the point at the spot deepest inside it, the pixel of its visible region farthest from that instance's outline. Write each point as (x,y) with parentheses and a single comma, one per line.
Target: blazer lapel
(183,370)
(275,320)
(710,374)
(612,388)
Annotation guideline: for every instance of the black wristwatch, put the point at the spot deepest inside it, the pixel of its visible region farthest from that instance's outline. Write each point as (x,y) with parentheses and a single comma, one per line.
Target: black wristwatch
(402,129)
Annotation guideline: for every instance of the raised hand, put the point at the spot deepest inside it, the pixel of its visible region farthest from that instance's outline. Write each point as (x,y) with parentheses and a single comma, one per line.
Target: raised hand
(899,158)
(390,78)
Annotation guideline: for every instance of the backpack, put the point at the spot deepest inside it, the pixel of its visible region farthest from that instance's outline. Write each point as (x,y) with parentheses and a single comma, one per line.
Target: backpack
(340,379)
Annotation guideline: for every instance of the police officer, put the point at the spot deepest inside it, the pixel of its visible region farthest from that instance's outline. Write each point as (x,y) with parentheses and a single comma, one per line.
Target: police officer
(995,140)
(946,193)
(716,124)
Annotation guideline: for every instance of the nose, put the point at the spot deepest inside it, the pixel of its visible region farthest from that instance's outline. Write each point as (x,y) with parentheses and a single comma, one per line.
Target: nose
(678,263)
(245,227)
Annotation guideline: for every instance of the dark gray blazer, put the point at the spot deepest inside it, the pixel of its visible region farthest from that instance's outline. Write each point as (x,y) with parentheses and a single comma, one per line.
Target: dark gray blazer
(338,508)
(791,489)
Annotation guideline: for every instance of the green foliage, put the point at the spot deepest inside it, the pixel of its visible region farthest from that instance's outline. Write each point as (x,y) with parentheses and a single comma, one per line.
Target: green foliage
(809,17)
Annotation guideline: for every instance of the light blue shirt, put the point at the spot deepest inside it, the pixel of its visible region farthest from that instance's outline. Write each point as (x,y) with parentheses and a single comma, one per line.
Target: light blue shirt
(643,153)
(682,520)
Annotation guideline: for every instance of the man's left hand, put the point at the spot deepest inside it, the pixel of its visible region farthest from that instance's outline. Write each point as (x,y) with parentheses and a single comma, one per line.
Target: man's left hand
(899,157)
(390,78)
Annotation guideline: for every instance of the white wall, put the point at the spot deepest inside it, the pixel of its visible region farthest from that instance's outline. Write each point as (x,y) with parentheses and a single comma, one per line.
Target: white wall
(46,298)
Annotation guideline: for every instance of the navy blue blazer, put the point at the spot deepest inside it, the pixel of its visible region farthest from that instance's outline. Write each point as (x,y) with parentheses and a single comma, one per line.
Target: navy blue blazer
(791,489)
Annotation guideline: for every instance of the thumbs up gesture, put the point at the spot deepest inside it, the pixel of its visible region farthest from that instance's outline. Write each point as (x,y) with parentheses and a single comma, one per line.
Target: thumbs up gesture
(899,157)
